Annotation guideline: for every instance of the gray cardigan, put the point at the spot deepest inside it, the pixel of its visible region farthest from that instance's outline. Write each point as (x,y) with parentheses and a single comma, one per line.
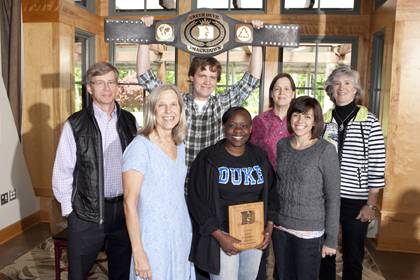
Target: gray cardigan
(307,192)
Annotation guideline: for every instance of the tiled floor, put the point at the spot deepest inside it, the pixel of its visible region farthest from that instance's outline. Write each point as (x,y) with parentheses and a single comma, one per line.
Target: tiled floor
(394,266)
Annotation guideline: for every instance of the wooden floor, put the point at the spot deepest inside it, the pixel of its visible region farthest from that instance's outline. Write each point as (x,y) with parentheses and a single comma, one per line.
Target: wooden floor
(394,266)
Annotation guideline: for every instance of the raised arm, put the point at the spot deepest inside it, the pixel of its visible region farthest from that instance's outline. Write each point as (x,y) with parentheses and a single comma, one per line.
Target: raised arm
(143,59)
(255,64)
(143,56)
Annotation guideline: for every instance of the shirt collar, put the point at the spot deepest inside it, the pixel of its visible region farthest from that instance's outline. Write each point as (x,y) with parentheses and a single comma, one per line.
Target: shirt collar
(103,115)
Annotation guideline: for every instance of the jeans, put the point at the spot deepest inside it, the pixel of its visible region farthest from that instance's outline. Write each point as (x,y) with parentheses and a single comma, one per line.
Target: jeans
(201,274)
(353,243)
(262,271)
(296,258)
(242,266)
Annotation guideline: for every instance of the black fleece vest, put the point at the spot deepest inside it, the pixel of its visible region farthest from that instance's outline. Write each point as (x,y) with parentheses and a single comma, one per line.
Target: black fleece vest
(88,175)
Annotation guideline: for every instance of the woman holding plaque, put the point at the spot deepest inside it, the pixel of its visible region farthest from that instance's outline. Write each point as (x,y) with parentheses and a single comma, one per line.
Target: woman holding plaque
(153,178)
(231,172)
(306,194)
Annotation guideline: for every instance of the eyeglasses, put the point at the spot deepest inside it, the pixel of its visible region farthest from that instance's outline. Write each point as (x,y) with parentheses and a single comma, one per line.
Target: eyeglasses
(101,84)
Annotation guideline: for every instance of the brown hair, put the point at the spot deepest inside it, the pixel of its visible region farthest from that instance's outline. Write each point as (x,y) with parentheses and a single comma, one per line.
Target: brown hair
(200,64)
(273,83)
(99,69)
(303,104)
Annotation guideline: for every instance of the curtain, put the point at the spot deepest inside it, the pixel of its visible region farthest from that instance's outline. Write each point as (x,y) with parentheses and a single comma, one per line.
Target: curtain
(10,25)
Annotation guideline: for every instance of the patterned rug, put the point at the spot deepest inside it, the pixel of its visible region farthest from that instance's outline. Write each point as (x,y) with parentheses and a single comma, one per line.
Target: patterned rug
(38,263)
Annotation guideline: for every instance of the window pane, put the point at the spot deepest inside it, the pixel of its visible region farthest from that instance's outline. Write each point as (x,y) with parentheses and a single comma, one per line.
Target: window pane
(162,59)
(81,2)
(323,4)
(300,63)
(234,64)
(77,100)
(79,58)
(221,4)
(376,73)
(310,65)
(161,4)
(234,4)
(334,4)
(130,5)
(246,4)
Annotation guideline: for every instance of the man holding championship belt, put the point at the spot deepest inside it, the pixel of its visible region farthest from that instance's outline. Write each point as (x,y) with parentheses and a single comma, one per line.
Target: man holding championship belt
(204,109)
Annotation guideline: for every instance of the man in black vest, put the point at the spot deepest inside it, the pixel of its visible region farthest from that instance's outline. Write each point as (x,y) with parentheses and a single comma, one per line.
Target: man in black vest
(87,177)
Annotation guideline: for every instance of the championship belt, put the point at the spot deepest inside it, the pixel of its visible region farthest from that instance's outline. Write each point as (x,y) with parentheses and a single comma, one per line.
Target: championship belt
(202,32)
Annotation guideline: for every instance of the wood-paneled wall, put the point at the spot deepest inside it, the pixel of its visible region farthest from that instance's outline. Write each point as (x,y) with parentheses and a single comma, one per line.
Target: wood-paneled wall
(49,28)
(48,85)
(400,210)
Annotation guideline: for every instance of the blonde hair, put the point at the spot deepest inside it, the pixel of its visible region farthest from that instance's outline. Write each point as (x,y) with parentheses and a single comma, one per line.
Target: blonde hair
(178,132)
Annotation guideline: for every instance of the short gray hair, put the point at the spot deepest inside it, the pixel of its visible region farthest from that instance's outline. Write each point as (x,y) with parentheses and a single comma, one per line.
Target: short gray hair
(99,69)
(347,71)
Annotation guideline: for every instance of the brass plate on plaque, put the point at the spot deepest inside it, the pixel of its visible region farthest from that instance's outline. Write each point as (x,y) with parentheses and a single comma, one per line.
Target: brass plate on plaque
(246,223)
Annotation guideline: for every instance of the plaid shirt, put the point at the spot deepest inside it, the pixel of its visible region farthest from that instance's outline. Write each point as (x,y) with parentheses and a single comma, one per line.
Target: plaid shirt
(205,127)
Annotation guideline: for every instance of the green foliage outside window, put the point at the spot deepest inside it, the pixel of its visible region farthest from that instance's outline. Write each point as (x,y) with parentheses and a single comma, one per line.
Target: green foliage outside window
(251,103)
(78,85)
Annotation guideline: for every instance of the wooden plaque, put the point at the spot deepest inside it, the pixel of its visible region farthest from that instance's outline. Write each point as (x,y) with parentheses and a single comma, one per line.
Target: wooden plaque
(246,223)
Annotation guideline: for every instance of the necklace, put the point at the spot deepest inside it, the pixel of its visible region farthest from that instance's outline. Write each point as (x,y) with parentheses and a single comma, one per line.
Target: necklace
(341,126)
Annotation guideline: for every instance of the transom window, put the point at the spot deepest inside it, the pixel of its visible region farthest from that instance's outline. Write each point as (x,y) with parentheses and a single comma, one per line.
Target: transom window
(314,6)
(232,4)
(124,6)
